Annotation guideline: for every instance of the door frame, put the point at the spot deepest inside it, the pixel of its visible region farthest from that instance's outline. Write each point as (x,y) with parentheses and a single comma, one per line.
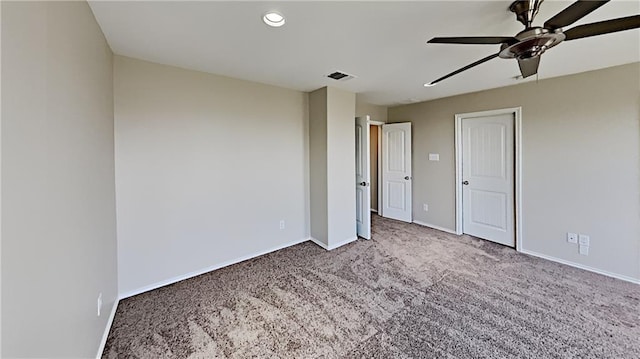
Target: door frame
(379,154)
(363,158)
(517,117)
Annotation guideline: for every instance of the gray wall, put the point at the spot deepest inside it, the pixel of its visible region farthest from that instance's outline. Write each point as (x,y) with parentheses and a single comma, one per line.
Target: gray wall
(58,201)
(580,163)
(341,169)
(332,166)
(377,112)
(318,165)
(206,167)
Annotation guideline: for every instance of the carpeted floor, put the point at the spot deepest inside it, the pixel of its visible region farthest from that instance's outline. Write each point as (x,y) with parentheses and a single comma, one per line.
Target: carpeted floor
(410,292)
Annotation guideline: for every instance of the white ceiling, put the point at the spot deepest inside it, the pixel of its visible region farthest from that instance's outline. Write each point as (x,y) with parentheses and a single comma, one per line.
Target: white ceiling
(382,43)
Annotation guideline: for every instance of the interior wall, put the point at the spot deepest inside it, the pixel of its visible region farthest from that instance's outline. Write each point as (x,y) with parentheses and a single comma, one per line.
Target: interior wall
(363,108)
(341,169)
(580,163)
(206,168)
(373,155)
(58,200)
(318,165)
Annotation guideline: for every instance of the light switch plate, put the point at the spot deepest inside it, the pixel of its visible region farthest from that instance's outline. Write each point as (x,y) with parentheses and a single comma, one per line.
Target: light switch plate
(572,237)
(434,157)
(583,239)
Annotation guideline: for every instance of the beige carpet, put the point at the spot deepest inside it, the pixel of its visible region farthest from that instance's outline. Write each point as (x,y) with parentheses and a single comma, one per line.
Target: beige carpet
(410,292)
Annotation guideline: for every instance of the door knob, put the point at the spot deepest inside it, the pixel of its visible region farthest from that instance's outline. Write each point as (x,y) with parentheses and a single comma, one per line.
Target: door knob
(363,184)
(407,178)
(466,183)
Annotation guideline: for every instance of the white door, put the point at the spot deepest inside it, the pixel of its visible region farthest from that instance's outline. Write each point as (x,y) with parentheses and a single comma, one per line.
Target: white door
(363,174)
(488,178)
(396,171)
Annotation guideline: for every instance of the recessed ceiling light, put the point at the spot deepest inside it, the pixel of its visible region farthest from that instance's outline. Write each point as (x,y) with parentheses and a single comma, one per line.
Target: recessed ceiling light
(430,84)
(273,19)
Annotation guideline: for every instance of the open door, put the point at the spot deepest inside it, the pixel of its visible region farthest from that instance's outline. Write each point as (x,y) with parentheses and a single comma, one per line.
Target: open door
(396,171)
(363,174)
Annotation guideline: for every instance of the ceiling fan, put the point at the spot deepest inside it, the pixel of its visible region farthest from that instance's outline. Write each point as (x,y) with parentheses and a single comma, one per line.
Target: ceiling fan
(528,45)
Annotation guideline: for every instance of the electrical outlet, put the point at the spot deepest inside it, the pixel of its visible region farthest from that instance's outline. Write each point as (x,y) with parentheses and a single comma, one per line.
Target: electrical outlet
(584,250)
(583,239)
(99,303)
(425,207)
(572,237)
(282,224)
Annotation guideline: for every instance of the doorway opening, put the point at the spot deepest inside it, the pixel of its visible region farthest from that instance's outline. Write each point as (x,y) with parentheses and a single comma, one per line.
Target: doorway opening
(392,158)
(375,154)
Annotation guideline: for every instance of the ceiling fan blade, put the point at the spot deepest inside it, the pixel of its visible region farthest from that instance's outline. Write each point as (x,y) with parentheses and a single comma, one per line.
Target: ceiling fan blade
(474,40)
(603,27)
(529,66)
(465,68)
(573,13)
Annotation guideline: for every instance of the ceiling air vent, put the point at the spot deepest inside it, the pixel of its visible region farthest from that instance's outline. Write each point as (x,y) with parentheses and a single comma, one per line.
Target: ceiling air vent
(340,76)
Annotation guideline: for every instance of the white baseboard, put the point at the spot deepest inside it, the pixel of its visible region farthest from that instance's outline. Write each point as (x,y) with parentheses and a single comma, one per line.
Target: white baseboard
(207,269)
(318,242)
(435,227)
(581,266)
(333,246)
(342,243)
(374,210)
(105,335)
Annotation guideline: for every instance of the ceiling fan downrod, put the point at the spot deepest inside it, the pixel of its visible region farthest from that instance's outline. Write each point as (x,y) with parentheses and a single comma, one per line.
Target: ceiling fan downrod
(525,10)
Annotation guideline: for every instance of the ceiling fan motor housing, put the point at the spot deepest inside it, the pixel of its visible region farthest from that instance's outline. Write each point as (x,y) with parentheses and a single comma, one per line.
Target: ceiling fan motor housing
(532,42)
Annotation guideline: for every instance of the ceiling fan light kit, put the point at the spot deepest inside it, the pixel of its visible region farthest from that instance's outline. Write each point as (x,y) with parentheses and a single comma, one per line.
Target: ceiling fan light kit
(528,45)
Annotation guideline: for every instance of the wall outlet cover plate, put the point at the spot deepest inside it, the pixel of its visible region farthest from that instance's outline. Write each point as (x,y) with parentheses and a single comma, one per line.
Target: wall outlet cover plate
(584,250)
